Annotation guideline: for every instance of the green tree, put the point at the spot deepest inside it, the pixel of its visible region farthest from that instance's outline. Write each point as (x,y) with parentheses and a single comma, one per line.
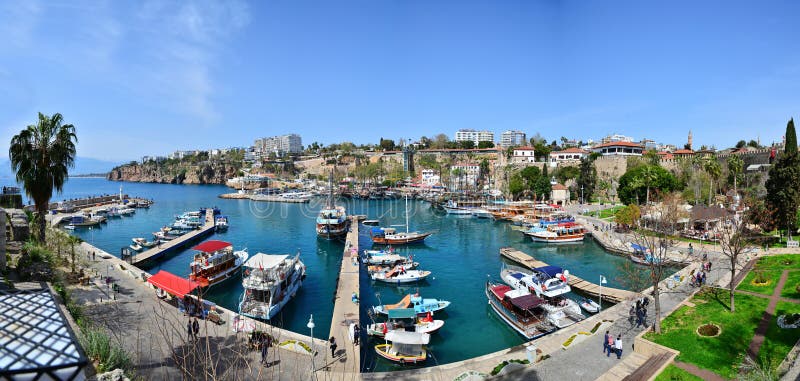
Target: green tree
(387,144)
(484,168)
(651,156)
(741,143)
(791,137)
(783,188)
(41,156)
(485,144)
(567,173)
(735,168)
(516,185)
(587,179)
(712,167)
(466,144)
(628,215)
(72,241)
(636,181)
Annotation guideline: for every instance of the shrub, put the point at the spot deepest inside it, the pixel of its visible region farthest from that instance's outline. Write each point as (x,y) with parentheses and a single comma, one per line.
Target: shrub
(760,278)
(100,349)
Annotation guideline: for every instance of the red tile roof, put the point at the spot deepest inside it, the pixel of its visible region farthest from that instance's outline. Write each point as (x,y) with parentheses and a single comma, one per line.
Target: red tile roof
(558,187)
(525,148)
(570,150)
(683,151)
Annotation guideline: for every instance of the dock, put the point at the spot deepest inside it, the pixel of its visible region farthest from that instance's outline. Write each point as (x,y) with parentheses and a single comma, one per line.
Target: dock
(264,197)
(345,311)
(167,247)
(611,294)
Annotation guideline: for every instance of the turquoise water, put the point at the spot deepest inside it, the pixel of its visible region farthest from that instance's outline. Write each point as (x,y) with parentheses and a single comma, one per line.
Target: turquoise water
(461,254)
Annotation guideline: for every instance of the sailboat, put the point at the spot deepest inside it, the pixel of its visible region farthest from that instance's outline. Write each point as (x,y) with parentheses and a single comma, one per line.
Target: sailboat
(332,220)
(390,236)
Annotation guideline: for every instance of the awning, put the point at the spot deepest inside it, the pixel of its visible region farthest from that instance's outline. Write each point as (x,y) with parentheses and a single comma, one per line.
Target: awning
(264,261)
(211,246)
(406,337)
(552,271)
(526,302)
(172,283)
(402,313)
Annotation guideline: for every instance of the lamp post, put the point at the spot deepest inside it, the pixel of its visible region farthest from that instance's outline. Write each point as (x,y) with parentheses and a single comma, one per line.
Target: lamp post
(581,194)
(311,326)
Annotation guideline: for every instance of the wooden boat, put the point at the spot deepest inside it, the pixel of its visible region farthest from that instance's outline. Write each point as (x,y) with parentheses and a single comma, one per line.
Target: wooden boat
(214,262)
(419,304)
(332,221)
(389,236)
(404,347)
(399,275)
(520,309)
(562,233)
(405,319)
(403,303)
(549,283)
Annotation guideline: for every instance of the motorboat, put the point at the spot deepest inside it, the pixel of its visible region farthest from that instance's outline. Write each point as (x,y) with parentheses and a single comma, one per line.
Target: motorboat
(520,309)
(136,247)
(568,232)
(144,243)
(405,319)
(371,222)
(589,305)
(481,213)
(270,281)
(221,223)
(214,262)
(419,304)
(404,347)
(399,274)
(549,283)
(452,207)
(69,227)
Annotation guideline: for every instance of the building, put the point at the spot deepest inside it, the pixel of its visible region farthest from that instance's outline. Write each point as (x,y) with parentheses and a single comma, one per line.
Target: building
(181,154)
(280,145)
(569,154)
(512,138)
(619,148)
(650,144)
(523,155)
(683,153)
(430,178)
(464,175)
(408,159)
(616,138)
(559,194)
(474,136)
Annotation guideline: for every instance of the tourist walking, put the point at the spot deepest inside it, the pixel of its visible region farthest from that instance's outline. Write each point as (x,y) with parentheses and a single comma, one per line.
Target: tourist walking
(189,329)
(618,346)
(356,334)
(265,344)
(610,345)
(195,327)
(691,249)
(605,342)
(631,317)
(333,346)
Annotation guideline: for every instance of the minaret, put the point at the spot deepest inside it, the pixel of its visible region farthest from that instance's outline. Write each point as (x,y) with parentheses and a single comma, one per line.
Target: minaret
(690,139)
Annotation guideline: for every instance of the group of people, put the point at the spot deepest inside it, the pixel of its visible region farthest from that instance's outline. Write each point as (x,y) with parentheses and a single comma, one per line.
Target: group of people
(639,312)
(610,344)
(699,277)
(193,328)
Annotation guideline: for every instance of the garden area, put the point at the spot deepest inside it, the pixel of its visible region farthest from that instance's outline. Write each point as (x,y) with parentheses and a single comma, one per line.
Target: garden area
(766,273)
(673,373)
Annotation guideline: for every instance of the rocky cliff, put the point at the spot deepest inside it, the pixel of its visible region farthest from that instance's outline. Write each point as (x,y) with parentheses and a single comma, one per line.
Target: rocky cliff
(175,173)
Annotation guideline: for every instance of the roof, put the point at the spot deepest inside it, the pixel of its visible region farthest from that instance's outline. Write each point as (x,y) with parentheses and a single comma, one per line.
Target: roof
(501,289)
(569,150)
(558,187)
(619,144)
(549,270)
(211,246)
(37,343)
(524,148)
(526,302)
(705,213)
(683,151)
(172,283)
(402,313)
(405,337)
(265,261)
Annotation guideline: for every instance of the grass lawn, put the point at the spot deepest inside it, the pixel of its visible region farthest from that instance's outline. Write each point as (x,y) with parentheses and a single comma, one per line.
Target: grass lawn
(721,354)
(792,283)
(673,373)
(772,275)
(606,213)
(785,261)
(778,342)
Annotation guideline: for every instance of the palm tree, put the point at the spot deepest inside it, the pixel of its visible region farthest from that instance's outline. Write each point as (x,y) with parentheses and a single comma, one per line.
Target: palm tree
(712,167)
(41,156)
(72,240)
(735,166)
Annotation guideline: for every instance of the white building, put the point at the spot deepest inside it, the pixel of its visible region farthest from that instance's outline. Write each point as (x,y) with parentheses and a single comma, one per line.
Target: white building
(616,138)
(474,136)
(181,154)
(280,145)
(523,155)
(512,138)
(430,178)
(464,175)
(569,154)
(619,148)
(157,159)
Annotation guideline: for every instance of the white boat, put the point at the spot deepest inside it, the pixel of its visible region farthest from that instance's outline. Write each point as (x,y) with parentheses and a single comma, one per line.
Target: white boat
(419,304)
(405,319)
(452,207)
(568,232)
(70,227)
(270,281)
(371,222)
(144,243)
(404,347)
(520,309)
(589,305)
(221,223)
(136,247)
(550,283)
(214,262)
(399,275)
(481,213)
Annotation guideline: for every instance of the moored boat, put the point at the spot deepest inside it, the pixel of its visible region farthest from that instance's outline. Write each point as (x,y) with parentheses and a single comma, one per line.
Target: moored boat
(589,305)
(404,347)
(332,221)
(520,309)
(389,236)
(399,274)
(405,319)
(214,262)
(562,233)
(419,304)
(221,223)
(269,283)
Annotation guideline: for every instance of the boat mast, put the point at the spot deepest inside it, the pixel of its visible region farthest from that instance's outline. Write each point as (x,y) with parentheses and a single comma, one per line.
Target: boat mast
(406,213)
(330,191)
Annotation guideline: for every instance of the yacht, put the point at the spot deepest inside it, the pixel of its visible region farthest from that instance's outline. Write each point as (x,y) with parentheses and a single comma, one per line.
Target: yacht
(270,281)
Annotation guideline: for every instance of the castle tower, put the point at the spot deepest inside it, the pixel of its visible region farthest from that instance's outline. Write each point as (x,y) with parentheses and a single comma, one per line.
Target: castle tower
(689,143)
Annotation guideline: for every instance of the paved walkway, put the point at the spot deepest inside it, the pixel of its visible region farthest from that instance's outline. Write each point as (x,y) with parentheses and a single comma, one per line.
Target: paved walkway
(763,325)
(705,374)
(345,311)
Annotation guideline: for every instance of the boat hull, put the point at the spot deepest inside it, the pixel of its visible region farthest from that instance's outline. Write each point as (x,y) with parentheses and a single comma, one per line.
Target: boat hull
(561,239)
(384,350)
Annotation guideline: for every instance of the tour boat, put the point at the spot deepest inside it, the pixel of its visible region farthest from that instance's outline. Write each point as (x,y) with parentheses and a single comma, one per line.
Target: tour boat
(452,207)
(332,222)
(405,319)
(404,347)
(221,223)
(388,259)
(561,233)
(270,281)
(399,274)
(519,309)
(589,305)
(419,304)
(481,213)
(549,283)
(214,262)
(389,236)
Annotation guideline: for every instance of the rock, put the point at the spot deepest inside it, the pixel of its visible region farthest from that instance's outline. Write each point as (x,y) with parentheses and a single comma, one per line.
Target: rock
(114,375)
(208,172)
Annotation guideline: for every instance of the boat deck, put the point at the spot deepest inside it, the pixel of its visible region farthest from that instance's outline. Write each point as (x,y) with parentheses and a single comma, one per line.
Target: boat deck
(166,247)
(609,293)
(345,311)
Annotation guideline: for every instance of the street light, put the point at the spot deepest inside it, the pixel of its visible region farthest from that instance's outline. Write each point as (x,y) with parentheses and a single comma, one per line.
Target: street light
(311,326)
(581,194)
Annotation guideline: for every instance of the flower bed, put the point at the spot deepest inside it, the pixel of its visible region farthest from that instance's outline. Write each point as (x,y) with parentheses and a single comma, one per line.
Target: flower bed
(709,330)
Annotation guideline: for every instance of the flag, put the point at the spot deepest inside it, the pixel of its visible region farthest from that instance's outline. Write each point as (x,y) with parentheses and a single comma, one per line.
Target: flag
(602,279)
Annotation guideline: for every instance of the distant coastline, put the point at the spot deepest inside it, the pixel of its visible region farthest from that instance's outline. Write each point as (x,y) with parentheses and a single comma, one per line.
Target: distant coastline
(90,176)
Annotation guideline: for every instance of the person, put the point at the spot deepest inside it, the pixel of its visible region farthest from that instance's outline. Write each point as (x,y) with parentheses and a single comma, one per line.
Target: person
(333,346)
(691,249)
(645,302)
(618,346)
(610,344)
(356,334)
(639,318)
(605,341)
(195,327)
(631,316)
(189,329)
(705,257)
(704,279)
(92,256)
(264,349)
(708,266)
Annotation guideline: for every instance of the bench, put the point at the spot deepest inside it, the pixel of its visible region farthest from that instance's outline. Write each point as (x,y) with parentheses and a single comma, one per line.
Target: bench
(650,367)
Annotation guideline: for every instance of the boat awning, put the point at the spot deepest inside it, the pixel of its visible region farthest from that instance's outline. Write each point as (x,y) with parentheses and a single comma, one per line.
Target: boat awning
(550,270)
(526,302)
(211,246)
(517,275)
(265,261)
(172,283)
(406,337)
(638,247)
(402,313)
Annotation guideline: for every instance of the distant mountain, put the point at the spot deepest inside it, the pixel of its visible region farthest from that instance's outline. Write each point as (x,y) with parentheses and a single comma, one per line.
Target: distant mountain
(83,165)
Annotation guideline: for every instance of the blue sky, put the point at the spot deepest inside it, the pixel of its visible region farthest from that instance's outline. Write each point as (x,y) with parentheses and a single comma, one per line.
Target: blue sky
(148,77)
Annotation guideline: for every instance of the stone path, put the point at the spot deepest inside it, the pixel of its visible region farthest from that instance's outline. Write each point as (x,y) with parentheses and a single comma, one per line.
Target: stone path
(705,374)
(758,338)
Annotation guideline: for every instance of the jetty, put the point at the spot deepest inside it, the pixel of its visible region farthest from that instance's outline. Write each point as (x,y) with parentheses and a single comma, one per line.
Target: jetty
(345,310)
(611,294)
(179,242)
(264,197)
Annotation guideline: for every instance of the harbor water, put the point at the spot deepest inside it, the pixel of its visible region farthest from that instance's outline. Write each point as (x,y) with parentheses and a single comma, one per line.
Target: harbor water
(462,253)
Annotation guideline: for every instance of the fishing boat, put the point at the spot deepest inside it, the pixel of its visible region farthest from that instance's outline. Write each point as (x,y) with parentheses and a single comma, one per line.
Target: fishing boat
(400,274)
(214,262)
(332,222)
(404,347)
(221,223)
(389,236)
(270,281)
(519,309)
(589,305)
(405,319)
(562,233)
(419,304)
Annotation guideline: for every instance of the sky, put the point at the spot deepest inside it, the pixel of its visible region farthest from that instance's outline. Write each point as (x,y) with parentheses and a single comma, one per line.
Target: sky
(149,77)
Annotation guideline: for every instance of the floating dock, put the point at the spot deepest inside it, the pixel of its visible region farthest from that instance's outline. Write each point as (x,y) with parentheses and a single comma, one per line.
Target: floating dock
(611,294)
(345,311)
(170,246)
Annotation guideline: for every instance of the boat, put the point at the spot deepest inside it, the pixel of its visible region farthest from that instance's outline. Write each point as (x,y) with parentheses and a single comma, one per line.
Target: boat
(399,274)
(389,236)
(221,223)
(81,220)
(214,262)
(452,207)
(144,243)
(549,283)
(419,304)
(404,347)
(520,309)
(270,281)
(561,233)
(385,260)
(332,221)
(371,222)
(589,305)
(135,247)
(405,319)
(69,227)
(481,213)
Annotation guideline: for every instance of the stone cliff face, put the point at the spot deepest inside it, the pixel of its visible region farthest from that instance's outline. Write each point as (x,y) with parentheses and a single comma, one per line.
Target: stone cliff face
(206,173)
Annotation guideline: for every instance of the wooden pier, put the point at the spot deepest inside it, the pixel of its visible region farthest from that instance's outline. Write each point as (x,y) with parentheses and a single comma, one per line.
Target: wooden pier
(179,242)
(611,294)
(345,311)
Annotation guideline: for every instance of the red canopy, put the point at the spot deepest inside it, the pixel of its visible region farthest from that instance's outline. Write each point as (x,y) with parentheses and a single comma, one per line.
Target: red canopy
(172,283)
(211,246)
